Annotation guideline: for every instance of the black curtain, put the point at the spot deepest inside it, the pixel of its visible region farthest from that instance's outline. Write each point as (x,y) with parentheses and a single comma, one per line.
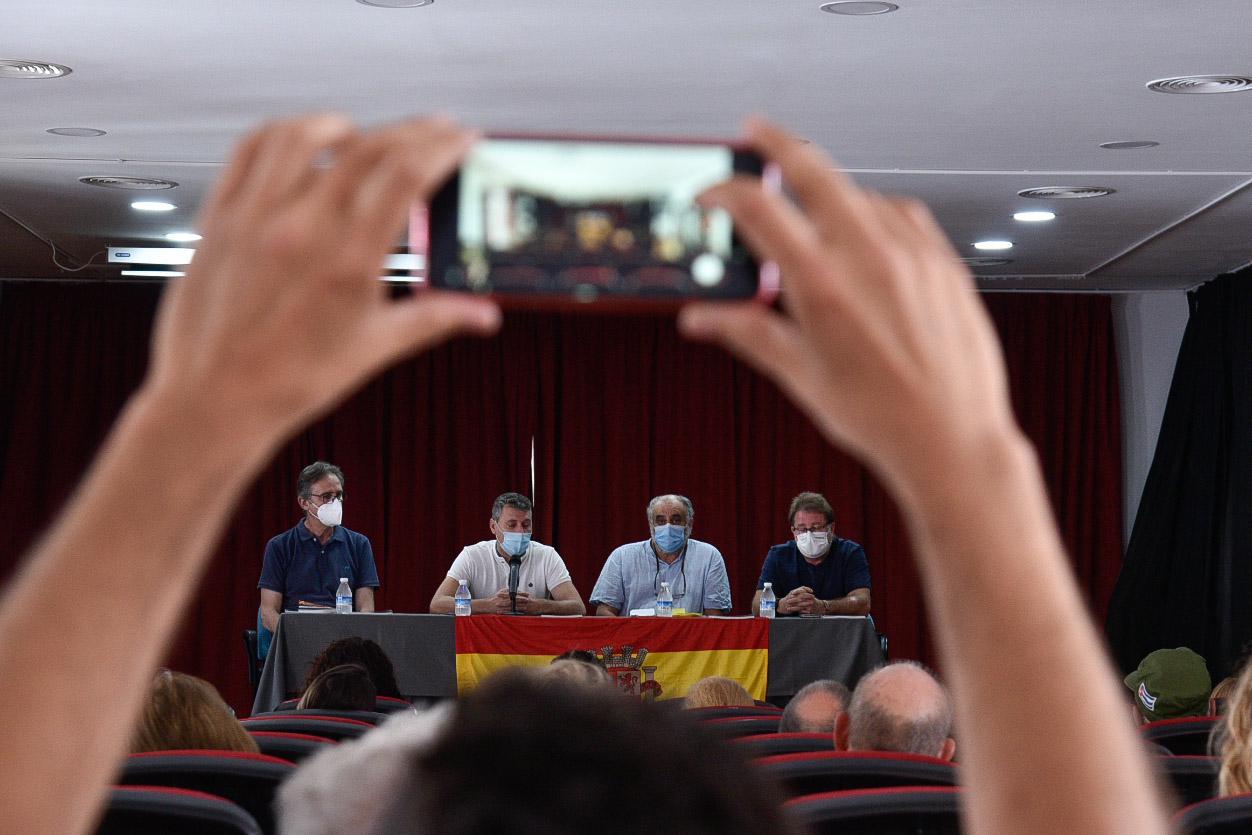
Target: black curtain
(1187,575)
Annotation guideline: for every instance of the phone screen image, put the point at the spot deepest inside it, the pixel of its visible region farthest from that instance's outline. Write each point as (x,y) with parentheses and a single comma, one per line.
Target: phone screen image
(590,219)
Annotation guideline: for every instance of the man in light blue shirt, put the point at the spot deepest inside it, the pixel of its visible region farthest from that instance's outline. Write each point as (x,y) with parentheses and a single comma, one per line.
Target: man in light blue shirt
(694,570)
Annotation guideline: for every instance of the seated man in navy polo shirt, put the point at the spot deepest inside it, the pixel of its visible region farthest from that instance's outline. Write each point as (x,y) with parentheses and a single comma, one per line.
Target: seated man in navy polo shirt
(816,573)
(306,562)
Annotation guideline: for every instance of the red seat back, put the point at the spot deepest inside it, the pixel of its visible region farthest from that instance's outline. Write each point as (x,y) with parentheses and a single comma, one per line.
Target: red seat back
(826,771)
(934,810)
(1220,816)
(1188,735)
(735,726)
(765,745)
(161,810)
(289,746)
(332,727)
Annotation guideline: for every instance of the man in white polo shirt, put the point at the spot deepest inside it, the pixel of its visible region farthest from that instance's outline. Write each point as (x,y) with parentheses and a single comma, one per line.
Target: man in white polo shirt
(544,586)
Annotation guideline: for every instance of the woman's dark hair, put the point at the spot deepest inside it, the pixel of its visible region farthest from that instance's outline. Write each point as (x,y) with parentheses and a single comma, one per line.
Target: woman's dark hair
(346,687)
(361,651)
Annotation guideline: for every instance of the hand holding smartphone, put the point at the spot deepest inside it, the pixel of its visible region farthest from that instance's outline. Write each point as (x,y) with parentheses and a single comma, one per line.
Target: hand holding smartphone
(568,221)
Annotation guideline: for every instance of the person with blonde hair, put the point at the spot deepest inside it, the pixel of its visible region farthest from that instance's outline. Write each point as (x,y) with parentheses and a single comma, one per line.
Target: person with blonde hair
(1232,738)
(717,691)
(183,711)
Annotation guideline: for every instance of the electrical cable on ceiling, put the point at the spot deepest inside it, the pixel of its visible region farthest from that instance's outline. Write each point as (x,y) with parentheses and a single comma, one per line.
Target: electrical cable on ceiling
(55,252)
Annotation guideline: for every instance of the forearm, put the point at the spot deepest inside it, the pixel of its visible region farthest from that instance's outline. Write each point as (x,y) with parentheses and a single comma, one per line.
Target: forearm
(443,604)
(604,610)
(852,604)
(1014,635)
(560,607)
(269,619)
(123,561)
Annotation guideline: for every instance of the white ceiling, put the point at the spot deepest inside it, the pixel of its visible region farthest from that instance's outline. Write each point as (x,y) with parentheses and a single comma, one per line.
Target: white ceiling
(960,102)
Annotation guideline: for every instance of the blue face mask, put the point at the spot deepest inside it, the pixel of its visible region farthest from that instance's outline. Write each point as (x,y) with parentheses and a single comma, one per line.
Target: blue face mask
(515,544)
(669,538)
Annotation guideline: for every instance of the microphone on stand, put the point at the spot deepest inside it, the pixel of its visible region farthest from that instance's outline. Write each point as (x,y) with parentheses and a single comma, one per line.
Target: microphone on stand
(515,569)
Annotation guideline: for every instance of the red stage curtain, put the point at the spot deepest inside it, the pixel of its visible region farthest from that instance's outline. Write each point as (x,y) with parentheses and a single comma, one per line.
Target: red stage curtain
(617,409)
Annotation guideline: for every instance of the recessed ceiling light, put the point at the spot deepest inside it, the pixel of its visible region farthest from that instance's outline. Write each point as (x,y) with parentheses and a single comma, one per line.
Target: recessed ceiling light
(76,131)
(182,237)
(1065,192)
(993,245)
(855,7)
(153,206)
(18,68)
(1201,84)
(1034,217)
(130,183)
(396,4)
(1129,145)
(154,273)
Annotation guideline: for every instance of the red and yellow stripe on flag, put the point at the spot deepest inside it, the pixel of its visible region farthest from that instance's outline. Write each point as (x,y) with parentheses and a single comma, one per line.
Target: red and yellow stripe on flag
(682,650)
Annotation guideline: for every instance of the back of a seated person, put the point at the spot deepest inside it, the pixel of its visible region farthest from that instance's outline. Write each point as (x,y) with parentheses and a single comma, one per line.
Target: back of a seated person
(717,691)
(346,687)
(898,708)
(185,712)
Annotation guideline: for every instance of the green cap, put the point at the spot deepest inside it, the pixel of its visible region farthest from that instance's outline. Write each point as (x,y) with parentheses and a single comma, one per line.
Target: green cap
(1171,683)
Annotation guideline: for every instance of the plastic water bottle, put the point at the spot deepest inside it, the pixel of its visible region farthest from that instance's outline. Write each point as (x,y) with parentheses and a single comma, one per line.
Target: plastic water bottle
(665,602)
(769,603)
(343,597)
(462,600)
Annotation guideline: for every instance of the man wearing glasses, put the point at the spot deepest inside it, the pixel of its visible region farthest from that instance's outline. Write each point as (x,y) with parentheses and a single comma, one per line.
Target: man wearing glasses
(695,570)
(816,573)
(304,564)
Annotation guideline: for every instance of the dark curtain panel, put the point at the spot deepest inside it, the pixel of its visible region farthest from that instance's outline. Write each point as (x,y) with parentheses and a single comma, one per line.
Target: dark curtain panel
(1189,561)
(616,409)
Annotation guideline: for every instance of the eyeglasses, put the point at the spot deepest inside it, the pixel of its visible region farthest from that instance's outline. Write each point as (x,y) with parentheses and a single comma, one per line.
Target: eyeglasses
(813,529)
(323,498)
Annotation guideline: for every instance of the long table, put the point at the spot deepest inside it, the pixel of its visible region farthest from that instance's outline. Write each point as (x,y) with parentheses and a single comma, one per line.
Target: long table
(423,649)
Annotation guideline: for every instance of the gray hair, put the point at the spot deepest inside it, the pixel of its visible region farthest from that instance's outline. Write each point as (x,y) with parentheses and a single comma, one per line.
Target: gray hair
(672,497)
(877,727)
(793,722)
(314,473)
(514,500)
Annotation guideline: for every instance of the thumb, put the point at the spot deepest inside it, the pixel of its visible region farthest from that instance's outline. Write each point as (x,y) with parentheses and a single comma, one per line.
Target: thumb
(431,318)
(755,334)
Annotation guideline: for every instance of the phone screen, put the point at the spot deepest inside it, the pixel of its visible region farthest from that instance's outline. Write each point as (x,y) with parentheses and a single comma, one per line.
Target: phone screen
(590,219)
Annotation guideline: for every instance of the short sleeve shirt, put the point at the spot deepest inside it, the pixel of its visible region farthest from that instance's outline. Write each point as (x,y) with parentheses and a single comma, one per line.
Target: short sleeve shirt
(299,567)
(845,568)
(481,567)
(633,574)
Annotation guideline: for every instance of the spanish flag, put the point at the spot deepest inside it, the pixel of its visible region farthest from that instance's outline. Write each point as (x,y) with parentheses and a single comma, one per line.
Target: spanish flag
(656,657)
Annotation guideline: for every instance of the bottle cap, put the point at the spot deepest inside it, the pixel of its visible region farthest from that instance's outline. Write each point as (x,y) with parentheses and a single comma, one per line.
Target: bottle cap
(343,579)
(769,585)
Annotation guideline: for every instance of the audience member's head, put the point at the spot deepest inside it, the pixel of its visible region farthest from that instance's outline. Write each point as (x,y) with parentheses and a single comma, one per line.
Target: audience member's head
(815,707)
(183,711)
(1220,695)
(717,691)
(346,687)
(599,761)
(1170,684)
(1233,738)
(901,707)
(361,651)
(579,655)
(579,672)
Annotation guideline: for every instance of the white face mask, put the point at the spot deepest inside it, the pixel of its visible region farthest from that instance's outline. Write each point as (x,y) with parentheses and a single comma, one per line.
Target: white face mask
(813,543)
(331,513)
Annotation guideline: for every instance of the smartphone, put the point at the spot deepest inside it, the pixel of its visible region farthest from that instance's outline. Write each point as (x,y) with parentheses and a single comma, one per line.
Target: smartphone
(572,221)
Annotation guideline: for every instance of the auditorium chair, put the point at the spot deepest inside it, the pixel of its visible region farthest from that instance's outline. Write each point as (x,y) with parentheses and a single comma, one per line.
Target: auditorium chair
(161,810)
(289,746)
(765,745)
(733,711)
(332,727)
(382,704)
(1220,816)
(735,726)
(250,780)
(826,771)
(369,716)
(914,810)
(1189,735)
(1194,778)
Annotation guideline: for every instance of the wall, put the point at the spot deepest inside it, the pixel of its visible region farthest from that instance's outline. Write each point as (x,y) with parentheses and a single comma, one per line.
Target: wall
(1148,329)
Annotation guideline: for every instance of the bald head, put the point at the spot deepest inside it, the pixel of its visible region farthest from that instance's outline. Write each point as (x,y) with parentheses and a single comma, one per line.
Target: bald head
(900,707)
(815,708)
